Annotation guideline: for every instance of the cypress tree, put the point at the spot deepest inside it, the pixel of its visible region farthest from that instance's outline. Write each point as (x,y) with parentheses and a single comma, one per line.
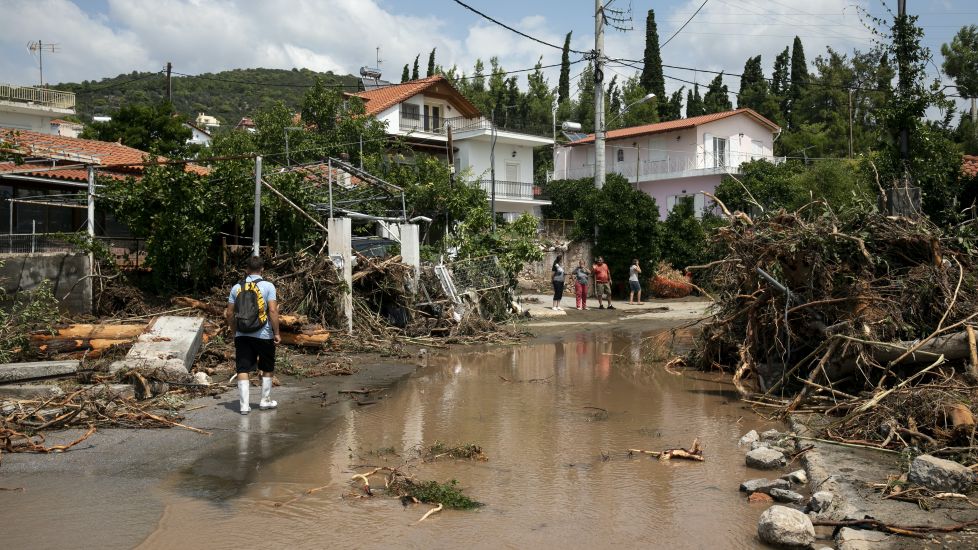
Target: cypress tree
(563,85)
(799,81)
(406,73)
(652,78)
(414,71)
(673,109)
(753,87)
(431,63)
(694,102)
(716,99)
(780,81)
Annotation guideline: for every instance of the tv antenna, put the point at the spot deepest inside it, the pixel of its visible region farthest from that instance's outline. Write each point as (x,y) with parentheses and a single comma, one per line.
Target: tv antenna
(379,60)
(39,47)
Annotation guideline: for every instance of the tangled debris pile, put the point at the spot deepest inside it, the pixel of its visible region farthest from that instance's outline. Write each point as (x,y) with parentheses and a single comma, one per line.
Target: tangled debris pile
(866,317)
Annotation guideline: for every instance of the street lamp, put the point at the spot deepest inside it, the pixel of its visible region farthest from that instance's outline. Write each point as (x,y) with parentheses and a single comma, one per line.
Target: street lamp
(599,138)
(286,131)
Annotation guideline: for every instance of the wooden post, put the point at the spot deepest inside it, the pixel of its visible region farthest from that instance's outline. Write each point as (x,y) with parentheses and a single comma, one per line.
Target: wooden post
(973,367)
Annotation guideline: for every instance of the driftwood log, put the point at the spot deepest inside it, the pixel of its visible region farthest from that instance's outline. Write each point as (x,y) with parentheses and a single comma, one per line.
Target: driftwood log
(694,452)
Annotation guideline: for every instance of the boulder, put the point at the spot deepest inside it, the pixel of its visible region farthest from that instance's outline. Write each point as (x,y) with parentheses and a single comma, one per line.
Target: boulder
(766,459)
(760,445)
(941,475)
(763,485)
(771,435)
(820,501)
(202,379)
(798,477)
(784,495)
(760,497)
(862,539)
(786,528)
(749,437)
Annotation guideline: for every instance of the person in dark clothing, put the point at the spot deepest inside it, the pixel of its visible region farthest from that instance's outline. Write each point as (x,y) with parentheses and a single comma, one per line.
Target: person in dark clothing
(557,278)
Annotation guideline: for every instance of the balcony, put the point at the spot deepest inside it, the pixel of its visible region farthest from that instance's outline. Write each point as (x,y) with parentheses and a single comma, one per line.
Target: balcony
(432,125)
(700,164)
(39,97)
(514,190)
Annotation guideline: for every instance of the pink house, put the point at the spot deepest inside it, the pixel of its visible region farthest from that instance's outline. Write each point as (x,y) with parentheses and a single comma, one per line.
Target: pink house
(679,159)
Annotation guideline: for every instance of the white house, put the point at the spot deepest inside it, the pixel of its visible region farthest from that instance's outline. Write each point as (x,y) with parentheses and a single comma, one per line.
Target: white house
(207,123)
(198,135)
(421,111)
(677,159)
(32,108)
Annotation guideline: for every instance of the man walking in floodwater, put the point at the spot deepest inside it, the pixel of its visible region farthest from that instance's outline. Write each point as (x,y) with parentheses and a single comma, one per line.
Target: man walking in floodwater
(252,314)
(602,282)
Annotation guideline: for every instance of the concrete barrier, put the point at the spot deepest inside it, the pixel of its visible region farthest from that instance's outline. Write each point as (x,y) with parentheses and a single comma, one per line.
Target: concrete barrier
(66,271)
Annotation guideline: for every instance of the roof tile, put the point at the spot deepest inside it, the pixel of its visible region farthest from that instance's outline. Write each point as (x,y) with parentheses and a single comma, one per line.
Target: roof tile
(672,125)
(379,99)
(969,166)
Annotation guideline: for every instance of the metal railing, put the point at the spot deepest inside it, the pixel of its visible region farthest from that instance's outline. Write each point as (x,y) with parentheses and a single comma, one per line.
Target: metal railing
(418,123)
(38,96)
(127,251)
(514,190)
(671,167)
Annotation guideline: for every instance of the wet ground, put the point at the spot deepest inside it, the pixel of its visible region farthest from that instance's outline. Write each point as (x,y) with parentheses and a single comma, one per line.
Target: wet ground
(555,418)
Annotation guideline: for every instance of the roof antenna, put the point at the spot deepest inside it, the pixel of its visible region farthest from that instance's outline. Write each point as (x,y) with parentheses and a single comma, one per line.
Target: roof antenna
(39,47)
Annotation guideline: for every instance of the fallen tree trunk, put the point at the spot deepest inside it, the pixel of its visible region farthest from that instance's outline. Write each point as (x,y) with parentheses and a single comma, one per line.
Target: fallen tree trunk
(286,320)
(90,332)
(80,344)
(309,339)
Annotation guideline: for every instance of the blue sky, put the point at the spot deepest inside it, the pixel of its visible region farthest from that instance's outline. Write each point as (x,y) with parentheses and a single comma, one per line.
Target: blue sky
(101,38)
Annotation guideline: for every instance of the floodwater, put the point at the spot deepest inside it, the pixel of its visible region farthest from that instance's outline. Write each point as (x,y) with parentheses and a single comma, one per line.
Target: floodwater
(557,474)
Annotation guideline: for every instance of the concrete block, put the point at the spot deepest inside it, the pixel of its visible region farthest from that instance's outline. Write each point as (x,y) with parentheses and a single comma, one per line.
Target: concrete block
(27,391)
(17,372)
(169,343)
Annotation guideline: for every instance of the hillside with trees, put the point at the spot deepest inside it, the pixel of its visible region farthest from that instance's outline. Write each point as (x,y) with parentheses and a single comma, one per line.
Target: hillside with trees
(227,95)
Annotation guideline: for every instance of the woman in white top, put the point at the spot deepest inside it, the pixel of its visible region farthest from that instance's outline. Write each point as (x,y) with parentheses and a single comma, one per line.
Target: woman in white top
(635,296)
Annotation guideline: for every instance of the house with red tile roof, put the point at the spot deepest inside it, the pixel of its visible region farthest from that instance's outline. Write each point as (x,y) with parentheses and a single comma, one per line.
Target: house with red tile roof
(677,160)
(420,112)
(49,181)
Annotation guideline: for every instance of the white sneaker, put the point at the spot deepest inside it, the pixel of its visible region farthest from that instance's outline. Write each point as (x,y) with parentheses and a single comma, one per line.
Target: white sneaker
(244,386)
(266,394)
(555,308)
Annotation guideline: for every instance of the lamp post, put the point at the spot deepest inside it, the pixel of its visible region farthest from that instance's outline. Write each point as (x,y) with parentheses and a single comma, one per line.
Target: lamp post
(286,131)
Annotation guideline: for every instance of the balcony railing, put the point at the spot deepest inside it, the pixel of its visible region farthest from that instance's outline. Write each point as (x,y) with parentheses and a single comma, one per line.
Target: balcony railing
(517,190)
(699,164)
(432,125)
(38,96)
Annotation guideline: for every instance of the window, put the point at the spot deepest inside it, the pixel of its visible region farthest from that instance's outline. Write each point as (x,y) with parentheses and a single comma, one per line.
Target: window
(719,152)
(697,202)
(410,111)
(621,155)
(756,149)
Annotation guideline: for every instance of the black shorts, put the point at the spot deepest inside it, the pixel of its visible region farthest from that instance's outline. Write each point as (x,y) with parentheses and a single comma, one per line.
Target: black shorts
(252,353)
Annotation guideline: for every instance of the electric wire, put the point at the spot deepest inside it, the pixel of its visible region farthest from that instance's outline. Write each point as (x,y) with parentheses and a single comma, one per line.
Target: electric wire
(507,27)
(680,29)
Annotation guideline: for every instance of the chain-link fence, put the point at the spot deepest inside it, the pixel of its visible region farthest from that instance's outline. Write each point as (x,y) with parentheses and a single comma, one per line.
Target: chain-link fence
(478,274)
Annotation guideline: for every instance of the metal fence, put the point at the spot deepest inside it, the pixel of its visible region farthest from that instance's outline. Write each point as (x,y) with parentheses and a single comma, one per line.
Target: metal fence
(39,96)
(127,251)
(478,274)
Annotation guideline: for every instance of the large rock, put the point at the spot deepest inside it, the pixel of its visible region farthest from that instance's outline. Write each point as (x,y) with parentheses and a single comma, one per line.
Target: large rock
(821,501)
(784,495)
(798,477)
(27,391)
(941,475)
(786,528)
(862,539)
(18,372)
(763,485)
(749,437)
(771,435)
(766,459)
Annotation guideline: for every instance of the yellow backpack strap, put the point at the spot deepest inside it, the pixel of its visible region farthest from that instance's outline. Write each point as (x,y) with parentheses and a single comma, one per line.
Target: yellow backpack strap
(262,306)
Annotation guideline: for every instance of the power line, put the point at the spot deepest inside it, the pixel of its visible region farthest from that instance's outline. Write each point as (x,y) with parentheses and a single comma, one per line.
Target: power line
(680,29)
(507,27)
(117,84)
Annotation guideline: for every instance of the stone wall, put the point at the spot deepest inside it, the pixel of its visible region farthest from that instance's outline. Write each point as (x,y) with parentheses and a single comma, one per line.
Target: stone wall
(536,275)
(21,272)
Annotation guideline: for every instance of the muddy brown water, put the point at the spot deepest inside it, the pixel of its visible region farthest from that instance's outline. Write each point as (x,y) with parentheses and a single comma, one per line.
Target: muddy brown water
(557,475)
(545,483)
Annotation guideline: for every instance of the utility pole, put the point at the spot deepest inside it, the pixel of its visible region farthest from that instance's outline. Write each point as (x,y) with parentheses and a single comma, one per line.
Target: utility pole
(256,228)
(903,80)
(451,173)
(850,123)
(90,224)
(598,94)
(492,168)
(169,82)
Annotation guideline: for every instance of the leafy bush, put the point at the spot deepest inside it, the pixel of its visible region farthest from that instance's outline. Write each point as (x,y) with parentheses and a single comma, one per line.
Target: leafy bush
(29,311)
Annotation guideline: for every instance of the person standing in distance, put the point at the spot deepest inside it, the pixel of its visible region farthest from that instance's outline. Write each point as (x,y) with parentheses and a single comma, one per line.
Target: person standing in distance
(557,279)
(252,314)
(635,285)
(602,282)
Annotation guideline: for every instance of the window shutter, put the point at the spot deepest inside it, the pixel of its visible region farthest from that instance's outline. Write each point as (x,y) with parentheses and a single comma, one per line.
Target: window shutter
(733,151)
(707,150)
(699,204)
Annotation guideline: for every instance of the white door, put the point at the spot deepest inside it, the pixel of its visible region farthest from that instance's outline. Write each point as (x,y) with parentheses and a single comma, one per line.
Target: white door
(512,187)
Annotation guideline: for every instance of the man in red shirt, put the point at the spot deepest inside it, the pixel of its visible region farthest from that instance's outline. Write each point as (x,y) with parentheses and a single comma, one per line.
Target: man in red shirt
(602,282)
